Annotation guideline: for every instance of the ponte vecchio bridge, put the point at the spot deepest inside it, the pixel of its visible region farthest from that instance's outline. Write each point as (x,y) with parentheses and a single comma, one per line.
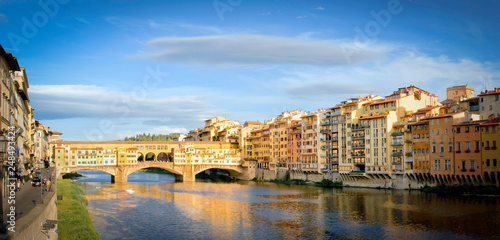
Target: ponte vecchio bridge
(121,158)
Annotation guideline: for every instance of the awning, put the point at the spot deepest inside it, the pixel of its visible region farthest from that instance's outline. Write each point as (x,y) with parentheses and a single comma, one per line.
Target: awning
(410,159)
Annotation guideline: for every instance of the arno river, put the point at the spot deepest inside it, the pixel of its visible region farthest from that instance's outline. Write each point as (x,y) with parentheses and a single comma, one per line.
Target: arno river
(153,206)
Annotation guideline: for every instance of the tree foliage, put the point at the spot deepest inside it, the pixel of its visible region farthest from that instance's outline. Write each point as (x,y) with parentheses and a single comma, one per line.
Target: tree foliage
(152,137)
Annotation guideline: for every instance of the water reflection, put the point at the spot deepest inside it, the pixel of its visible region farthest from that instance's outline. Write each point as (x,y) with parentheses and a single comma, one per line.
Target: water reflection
(250,210)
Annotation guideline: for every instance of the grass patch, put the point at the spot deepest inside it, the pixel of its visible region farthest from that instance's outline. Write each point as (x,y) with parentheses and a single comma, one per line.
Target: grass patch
(71,175)
(463,190)
(73,218)
(327,183)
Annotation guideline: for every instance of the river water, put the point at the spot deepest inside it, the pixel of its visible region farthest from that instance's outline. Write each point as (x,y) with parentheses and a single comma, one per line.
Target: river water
(154,206)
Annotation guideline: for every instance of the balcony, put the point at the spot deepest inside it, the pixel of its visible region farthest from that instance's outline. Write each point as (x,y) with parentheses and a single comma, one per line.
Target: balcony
(360,154)
(358,146)
(395,134)
(397,154)
(441,154)
(408,140)
(409,154)
(358,136)
(397,143)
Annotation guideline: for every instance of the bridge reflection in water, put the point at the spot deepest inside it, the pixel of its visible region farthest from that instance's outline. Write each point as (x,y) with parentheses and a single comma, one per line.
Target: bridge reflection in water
(252,210)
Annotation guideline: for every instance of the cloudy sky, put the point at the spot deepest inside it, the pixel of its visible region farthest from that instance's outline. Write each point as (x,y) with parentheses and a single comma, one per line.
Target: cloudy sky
(103,70)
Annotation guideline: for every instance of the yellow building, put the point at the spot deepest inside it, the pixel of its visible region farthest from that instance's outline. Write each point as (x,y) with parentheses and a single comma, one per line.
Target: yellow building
(490,152)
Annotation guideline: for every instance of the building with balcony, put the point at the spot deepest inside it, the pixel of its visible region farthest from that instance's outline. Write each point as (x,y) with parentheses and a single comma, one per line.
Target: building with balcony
(311,148)
(420,146)
(294,145)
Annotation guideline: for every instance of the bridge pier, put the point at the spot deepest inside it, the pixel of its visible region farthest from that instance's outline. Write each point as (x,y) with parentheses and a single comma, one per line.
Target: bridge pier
(120,176)
(189,174)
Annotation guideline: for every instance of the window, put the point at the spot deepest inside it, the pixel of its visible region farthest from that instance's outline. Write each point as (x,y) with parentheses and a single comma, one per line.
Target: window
(441,149)
(464,164)
(466,129)
(494,162)
(433,148)
(487,162)
(476,129)
(450,148)
(437,164)
(472,164)
(437,132)
(457,130)
(458,146)
(446,131)
(467,145)
(491,107)
(477,146)
(447,164)
(418,151)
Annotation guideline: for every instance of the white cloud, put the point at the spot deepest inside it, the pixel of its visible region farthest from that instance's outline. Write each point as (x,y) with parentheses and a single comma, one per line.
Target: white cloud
(319,8)
(167,130)
(250,49)
(74,101)
(300,17)
(433,74)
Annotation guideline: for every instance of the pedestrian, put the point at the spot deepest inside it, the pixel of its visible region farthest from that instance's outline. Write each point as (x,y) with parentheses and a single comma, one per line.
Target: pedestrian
(48,185)
(44,184)
(18,185)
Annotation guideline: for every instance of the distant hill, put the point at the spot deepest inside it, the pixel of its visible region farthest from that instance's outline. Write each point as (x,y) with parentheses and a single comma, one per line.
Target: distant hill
(152,137)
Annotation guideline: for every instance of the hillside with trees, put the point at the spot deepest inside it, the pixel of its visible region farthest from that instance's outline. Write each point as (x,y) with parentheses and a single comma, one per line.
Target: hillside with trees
(152,137)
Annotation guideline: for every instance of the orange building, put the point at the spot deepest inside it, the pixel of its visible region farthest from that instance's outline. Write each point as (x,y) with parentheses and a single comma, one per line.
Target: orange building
(457,93)
(441,143)
(294,140)
(467,137)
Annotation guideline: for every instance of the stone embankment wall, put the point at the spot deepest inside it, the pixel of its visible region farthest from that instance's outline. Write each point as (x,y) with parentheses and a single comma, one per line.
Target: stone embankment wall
(30,226)
(396,181)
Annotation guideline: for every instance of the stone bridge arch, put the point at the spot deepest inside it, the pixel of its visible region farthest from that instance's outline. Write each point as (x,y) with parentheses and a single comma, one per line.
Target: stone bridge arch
(108,170)
(234,171)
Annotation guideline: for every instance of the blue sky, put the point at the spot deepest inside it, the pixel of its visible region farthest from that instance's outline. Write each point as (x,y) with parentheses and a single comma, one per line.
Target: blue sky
(103,70)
